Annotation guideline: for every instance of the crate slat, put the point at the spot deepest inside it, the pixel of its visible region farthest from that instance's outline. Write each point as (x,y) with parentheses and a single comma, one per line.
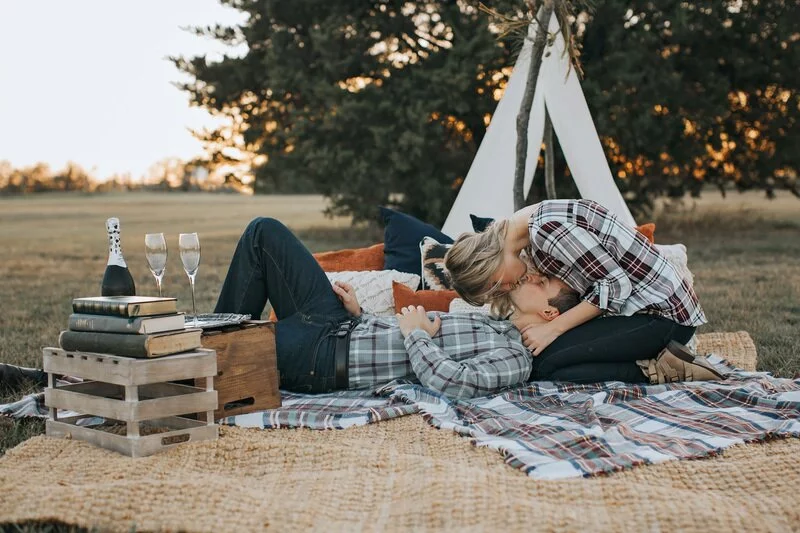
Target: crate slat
(140,446)
(156,400)
(129,371)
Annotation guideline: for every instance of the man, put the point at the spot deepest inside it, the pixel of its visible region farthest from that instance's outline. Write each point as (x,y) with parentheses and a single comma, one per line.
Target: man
(325,342)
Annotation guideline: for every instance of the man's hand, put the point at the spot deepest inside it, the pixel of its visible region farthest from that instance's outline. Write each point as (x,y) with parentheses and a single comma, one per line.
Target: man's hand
(347,295)
(411,318)
(537,337)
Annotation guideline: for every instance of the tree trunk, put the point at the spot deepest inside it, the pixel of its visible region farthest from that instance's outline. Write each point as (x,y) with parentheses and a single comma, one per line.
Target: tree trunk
(524,115)
(549,158)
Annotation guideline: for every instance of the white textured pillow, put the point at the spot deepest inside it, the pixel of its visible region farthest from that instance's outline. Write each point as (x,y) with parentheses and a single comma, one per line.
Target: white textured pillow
(677,257)
(458,305)
(374,287)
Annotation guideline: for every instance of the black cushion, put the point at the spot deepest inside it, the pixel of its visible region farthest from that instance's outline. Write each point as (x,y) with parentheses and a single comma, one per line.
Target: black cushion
(401,237)
(480,224)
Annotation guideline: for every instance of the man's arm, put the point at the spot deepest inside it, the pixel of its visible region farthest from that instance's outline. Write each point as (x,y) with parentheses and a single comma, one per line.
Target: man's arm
(478,376)
(347,295)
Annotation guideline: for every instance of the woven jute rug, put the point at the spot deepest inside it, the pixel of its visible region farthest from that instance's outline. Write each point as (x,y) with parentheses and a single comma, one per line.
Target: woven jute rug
(396,475)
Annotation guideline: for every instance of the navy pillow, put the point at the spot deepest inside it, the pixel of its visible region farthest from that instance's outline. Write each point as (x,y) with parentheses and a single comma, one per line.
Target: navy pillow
(401,237)
(480,224)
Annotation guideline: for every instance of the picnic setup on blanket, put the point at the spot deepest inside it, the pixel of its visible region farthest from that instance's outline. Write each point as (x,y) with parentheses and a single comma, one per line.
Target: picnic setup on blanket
(196,400)
(548,430)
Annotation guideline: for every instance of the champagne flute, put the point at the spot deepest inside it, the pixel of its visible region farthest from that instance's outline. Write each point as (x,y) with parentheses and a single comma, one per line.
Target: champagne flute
(189,246)
(155,250)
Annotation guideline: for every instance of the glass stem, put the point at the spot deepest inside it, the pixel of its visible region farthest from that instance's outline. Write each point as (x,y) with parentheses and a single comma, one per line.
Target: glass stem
(158,282)
(194,308)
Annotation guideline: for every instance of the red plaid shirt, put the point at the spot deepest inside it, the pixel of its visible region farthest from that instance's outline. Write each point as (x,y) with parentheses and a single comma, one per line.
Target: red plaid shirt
(611,264)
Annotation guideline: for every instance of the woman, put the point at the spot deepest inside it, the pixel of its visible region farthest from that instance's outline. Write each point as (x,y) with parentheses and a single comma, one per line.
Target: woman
(647,305)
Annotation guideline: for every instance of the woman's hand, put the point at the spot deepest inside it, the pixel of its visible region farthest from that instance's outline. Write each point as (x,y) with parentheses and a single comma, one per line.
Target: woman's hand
(411,318)
(347,295)
(537,337)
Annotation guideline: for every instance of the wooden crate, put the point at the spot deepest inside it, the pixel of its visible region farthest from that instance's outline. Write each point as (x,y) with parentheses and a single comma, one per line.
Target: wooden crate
(247,368)
(133,392)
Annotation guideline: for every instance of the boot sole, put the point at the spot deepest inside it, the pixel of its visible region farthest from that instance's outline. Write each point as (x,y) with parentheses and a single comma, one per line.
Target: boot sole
(679,350)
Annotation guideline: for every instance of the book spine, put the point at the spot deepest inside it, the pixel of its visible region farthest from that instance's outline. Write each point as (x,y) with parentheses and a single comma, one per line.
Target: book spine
(107,324)
(107,343)
(94,307)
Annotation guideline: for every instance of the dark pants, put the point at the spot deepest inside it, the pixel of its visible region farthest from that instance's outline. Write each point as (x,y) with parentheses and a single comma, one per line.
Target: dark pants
(13,377)
(606,349)
(270,263)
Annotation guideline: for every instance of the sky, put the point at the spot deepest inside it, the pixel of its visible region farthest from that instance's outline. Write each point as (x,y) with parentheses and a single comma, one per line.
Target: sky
(88,81)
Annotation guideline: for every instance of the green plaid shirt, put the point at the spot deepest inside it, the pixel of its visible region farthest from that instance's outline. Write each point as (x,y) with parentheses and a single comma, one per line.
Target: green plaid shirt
(471,355)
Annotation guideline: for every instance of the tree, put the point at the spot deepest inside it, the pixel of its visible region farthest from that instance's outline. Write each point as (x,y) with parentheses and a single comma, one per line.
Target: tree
(685,94)
(72,177)
(374,102)
(385,101)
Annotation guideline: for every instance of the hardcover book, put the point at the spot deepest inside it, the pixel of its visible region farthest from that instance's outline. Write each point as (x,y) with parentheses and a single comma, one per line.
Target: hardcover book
(126,345)
(143,325)
(126,306)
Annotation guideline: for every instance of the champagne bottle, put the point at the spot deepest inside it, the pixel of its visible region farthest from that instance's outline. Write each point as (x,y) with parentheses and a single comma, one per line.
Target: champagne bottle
(117,281)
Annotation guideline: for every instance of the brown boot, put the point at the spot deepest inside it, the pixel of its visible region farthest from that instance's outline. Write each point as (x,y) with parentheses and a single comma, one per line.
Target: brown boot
(676,363)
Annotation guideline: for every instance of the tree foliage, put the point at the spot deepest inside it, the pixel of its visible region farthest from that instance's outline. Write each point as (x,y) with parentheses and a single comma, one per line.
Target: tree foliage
(385,101)
(374,102)
(687,93)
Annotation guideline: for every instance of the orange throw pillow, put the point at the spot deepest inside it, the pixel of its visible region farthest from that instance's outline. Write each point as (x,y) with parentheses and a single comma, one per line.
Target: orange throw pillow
(353,259)
(648,230)
(430,300)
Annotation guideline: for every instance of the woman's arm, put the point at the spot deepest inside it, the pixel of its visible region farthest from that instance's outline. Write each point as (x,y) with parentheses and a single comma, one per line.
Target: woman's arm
(538,336)
(575,246)
(517,236)
(572,245)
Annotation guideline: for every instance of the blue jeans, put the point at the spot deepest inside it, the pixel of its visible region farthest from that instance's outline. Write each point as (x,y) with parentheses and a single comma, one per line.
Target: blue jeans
(270,263)
(606,349)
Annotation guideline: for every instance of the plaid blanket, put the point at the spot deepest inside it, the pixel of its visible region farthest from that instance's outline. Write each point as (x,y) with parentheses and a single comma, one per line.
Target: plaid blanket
(337,410)
(557,430)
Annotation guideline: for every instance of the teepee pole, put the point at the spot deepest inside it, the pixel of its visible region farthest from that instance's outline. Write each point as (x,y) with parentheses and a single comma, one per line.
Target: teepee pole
(524,115)
(549,157)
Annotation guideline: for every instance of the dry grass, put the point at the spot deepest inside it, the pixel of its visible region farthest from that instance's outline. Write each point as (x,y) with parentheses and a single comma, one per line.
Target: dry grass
(744,253)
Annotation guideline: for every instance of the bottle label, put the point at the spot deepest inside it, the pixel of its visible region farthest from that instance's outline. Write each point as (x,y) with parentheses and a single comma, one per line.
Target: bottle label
(114,246)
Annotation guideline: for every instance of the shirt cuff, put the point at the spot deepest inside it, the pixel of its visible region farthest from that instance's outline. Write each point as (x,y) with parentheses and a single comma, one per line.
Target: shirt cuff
(601,298)
(414,336)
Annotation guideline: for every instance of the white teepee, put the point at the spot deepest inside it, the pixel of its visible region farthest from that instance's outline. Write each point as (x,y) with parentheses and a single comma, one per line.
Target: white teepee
(487,189)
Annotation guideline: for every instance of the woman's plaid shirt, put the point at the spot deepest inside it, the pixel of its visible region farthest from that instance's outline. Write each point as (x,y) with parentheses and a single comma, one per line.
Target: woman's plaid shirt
(471,355)
(611,264)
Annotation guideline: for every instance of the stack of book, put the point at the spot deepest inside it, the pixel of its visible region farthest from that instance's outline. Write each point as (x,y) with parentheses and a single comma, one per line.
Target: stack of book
(129,326)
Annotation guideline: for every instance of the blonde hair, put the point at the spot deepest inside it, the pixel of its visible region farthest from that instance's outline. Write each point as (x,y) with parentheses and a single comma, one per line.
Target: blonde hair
(502,306)
(472,261)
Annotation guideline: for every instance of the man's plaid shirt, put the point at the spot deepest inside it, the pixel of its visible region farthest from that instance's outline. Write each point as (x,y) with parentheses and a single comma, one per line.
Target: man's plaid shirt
(611,264)
(471,355)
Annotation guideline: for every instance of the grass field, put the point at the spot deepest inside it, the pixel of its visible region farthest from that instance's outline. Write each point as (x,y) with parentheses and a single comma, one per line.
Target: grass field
(744,252)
